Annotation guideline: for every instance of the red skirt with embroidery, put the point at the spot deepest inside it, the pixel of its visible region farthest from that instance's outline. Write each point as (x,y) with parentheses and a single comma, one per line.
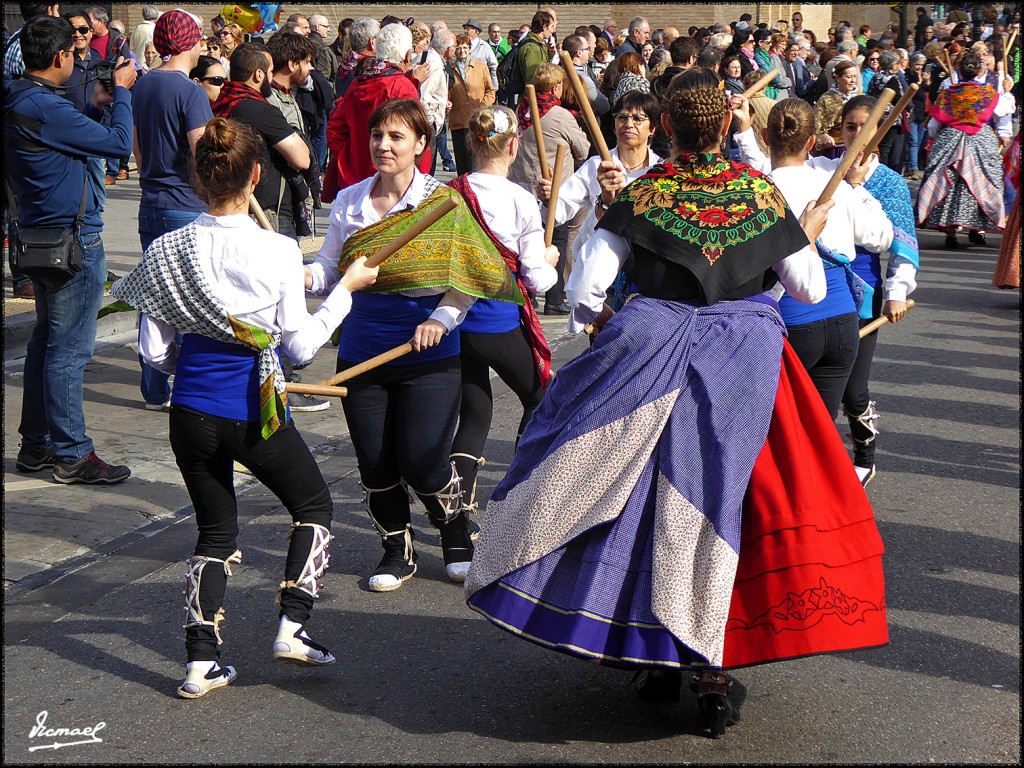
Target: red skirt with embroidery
(809,578)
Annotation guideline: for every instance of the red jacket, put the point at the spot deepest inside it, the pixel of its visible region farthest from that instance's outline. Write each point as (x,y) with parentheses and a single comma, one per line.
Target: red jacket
(348,132)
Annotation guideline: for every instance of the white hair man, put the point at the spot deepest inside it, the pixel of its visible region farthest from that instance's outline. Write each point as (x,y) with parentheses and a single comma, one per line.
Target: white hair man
(362,37)
(393,76)
(142,35)
(639,33)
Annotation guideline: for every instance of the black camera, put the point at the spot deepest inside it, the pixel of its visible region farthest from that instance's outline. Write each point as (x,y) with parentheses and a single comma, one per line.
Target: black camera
(104,71)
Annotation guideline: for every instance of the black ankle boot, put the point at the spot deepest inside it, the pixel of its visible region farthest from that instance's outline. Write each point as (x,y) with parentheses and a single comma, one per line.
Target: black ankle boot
(457,546)
(716,710)
(398,564)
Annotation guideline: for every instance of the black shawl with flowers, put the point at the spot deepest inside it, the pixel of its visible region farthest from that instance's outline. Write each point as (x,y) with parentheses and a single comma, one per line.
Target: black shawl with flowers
(703,229)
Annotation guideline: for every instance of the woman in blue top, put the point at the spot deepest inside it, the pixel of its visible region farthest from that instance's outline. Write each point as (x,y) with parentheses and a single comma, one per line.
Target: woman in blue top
(235,293)
(824,335)
(499,335)
(402,415)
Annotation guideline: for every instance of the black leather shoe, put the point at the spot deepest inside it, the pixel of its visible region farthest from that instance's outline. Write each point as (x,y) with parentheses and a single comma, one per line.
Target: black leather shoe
(556,309)
(976,238)
(951,243)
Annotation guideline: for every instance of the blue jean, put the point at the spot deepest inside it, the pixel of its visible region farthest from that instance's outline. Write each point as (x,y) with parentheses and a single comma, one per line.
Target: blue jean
(60,347)
(154,222)
(442,146)
(916,139)
(320,146)
(828,350)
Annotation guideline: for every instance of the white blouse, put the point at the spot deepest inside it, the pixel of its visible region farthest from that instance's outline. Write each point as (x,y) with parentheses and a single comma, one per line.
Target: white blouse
(511,213)
(582,191)
(901,275)
(258,276)
(352,211)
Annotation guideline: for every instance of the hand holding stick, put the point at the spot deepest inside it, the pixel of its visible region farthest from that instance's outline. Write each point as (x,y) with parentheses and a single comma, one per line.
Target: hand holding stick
(761,84)
(874,325)
(373,362)
(556,179)
(892,118)
(583,99)
(261,217)
(867,133)
(538,133)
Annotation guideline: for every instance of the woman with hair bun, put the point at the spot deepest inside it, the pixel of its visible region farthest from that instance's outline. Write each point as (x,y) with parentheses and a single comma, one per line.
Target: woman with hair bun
(498,335)
(650,519)
(236,294)
(824,335)
(402,415)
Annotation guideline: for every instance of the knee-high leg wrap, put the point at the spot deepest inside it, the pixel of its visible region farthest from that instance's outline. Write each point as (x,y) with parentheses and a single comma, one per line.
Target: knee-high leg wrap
(862,425)
(444,505)
(472,466)
(310,542)
(195,593)
(387,507)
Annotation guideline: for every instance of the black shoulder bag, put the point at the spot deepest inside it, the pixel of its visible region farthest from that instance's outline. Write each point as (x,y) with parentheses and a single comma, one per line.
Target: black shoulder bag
(48,252)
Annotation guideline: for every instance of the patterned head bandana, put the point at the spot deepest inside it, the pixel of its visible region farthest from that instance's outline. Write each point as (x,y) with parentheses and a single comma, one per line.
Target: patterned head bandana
(175,32)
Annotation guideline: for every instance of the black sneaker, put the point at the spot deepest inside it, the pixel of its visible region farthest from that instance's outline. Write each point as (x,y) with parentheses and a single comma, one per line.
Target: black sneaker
(976,238)
(32,458)
(92,470)
(307,403)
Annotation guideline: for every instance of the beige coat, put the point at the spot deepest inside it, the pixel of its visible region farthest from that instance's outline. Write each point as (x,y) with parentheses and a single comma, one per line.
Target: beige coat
(558,127)
(470,94)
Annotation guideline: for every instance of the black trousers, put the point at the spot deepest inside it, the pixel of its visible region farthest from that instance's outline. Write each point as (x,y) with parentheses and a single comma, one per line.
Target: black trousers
(827,348)
(402,419)
(560,239)
(510,356)
(205,448)
(858,394)
(463,157)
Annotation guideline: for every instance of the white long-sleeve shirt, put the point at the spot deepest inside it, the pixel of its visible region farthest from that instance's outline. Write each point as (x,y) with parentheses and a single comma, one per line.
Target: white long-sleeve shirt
(511,213)
(259,278)
(901,275)
(353,211)
(434,90)
(582,191)
(802,275)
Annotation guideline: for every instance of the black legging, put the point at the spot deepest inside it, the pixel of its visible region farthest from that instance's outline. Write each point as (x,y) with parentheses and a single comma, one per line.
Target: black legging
(858,394)
(510,356)
(205,448)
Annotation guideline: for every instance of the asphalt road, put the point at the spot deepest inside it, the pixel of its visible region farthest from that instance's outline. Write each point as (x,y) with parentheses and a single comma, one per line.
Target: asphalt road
(95,635)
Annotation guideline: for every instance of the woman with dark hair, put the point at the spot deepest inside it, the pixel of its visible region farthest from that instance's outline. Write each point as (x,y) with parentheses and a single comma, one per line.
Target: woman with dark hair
(828,109)
(963,183)
(402,415)
(824,335)
(763,57)
(499,335)
(869,68)
(634,527)
(210,74)
(891,149)
(732,70)
(471,89)
(637,117)
(629,76)
(235,291)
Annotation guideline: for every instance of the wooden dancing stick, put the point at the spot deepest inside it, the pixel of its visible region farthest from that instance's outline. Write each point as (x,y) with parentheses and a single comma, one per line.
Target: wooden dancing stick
(588,111)
(373,362)
(1010,42)
(874,325)
(416,229)
(1006,68)
(257,211)
(538,133)
(942,64)
(556,180)
(761,84)
(892,118)
(316,389)
(863,138)
(949,62)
